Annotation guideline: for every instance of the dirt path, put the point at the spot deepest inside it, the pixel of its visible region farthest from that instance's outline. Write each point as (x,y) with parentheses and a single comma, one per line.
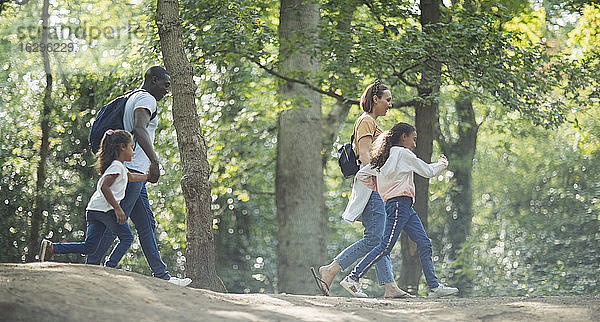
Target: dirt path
(73,292)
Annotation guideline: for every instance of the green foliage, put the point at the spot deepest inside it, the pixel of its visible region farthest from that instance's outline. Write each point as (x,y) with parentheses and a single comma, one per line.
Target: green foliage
(15,153)
(536,226)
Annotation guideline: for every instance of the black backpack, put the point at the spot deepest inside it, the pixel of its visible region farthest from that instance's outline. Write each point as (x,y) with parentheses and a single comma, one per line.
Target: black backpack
(110,116)
(347,159)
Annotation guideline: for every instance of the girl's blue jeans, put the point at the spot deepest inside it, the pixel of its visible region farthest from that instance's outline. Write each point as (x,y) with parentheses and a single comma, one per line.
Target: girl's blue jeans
(401,216)
(373,219)
(97,223)
(136,206)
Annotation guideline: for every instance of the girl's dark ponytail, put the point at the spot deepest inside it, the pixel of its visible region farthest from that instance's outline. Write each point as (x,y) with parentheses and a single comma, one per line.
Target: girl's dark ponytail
(380,151)
(110,147)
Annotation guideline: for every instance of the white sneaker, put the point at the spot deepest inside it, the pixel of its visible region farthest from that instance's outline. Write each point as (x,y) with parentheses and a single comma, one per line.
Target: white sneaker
(180,281)
(442,290)
(353,287)
(360,293)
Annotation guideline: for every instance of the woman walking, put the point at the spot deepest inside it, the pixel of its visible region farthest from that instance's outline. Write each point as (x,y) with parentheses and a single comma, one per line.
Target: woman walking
(375,101)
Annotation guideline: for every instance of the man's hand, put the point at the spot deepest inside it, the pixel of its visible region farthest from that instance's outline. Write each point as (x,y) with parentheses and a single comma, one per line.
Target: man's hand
(121,219)
(154,172)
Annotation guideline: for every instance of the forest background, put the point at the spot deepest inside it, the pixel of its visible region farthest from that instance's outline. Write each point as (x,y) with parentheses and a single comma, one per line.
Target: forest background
(511,88)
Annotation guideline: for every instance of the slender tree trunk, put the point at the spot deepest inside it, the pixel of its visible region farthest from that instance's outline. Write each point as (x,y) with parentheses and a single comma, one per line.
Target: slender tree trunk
(460,154)
(39,206)
(331,125)
(339,112)
(200,249)
(299,170)
(425,116)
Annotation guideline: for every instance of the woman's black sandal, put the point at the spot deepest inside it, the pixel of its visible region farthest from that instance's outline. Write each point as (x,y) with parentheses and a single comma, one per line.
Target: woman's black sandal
(320,283)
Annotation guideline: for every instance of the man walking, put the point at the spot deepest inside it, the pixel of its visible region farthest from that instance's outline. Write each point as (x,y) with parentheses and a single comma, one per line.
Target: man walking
(140,119)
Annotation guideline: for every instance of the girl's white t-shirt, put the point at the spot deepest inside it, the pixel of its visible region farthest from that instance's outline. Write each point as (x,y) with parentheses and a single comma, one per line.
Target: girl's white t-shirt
(98,201)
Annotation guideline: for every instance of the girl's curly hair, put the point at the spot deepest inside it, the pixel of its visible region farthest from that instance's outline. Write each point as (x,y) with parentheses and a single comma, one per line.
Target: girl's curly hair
(366,100)
(110,147)
(380,151)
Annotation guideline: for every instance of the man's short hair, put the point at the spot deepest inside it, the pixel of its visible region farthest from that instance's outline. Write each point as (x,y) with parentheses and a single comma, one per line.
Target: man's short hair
(157,71)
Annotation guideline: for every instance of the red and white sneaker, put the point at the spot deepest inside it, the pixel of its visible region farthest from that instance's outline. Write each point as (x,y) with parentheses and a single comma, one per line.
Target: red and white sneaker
(353,287)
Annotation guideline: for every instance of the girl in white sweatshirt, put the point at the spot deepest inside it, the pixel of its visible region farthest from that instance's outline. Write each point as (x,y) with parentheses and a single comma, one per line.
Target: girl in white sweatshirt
(391,173)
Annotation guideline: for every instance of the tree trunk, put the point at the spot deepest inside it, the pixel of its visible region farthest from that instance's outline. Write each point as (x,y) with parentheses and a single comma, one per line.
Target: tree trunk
(425,116)
(299,170)
(331,125)
(200,249)
(460,154)
(339,112)
(38,208)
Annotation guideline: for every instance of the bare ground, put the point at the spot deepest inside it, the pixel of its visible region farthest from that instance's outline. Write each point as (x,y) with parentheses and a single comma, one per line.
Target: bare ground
(75,292)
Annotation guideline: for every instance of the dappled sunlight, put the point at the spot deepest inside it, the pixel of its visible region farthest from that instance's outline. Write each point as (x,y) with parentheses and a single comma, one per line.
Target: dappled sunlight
(564,310)
(318,303)
(298,307)
(306,313)
(249,298)
(130,287)
(234,315)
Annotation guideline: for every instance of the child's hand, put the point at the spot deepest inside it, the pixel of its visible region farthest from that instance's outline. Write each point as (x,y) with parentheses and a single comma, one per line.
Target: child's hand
(442,159)
(120,214)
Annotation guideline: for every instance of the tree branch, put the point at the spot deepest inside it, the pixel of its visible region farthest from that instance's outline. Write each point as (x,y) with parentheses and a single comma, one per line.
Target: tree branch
(399,104)
(386,29)
(338,97)
(401,73)
(257,192)
(62,74)
(441,138)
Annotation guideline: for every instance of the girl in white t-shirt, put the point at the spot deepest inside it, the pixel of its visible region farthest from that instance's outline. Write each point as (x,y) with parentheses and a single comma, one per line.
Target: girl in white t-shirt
(391,173)
(103,210)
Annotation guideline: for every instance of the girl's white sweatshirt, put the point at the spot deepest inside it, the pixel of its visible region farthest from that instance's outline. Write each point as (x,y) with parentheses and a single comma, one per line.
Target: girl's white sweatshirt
(395,178)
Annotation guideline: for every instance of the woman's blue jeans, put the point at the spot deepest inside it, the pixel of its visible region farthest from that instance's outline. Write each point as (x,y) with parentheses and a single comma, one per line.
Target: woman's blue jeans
(401,216)
(97,223)
(136,206)
(373,219)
